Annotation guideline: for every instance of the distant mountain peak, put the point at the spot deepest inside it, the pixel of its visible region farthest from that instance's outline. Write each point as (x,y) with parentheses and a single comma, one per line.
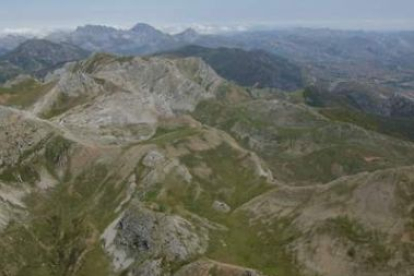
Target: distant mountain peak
(144,28)
(189,31)
(188,34)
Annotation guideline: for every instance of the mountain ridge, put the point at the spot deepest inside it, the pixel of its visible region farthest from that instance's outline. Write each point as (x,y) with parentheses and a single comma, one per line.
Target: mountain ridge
(158,166)
(255,68)
(38,56)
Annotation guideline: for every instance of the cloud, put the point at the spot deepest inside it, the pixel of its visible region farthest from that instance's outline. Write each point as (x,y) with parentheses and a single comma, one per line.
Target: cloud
(22,31)
(205,28)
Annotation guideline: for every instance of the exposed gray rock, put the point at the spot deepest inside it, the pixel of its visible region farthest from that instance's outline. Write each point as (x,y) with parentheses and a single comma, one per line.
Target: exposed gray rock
(111,100)
(20,132)
(221,207)
(143,235)
(152,159)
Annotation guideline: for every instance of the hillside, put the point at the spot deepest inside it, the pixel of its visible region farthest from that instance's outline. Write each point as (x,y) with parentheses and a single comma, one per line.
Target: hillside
(248,68)
(10,42)
(369,106)
(37,57)
(158,166)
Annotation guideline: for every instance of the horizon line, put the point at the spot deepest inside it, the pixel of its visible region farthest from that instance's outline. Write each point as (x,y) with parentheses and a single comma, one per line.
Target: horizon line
(216,28)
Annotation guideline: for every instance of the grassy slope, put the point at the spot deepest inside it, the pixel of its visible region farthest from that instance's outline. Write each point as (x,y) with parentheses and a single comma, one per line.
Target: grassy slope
(62,235)
(307,149)
(342,109)
(257,245)
(24,94)
(399,128)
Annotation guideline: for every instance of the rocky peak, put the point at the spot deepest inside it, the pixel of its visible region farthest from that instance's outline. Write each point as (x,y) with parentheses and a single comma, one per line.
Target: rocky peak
(126,96)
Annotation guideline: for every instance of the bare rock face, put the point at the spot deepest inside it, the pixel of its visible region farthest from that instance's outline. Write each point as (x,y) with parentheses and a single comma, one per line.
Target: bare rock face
(116,100)
(220,206)
(12,206)
(19,133)
(153,158)
(144,235)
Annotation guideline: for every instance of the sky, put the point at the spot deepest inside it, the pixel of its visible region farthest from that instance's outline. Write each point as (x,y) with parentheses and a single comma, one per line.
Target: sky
(208,16)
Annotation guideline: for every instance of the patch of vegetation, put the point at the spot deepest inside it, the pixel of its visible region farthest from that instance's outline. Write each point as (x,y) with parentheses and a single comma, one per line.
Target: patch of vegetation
(90,65)
(307,148)
(231,182)
(55,151)
(296,97)
(98,59)
(332,162)
(343,108)
(20,173)
(219,114)
(258,246)
(164,135)
(62,237)
(24,94)
(399,128)
(351,230)
(63,104)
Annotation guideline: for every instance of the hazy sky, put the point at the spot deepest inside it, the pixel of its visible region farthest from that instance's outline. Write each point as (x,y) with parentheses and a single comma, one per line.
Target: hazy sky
(374,14)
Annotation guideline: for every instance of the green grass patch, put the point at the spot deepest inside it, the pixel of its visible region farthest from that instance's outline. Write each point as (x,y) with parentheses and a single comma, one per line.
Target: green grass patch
(62,237)
(258,246)
(399,128)
(163,135)
(63,104)
(24,94)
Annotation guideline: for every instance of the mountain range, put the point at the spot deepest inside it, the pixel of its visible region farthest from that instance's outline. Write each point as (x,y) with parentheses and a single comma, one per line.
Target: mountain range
(329,55)
(139,40)
(188,160)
